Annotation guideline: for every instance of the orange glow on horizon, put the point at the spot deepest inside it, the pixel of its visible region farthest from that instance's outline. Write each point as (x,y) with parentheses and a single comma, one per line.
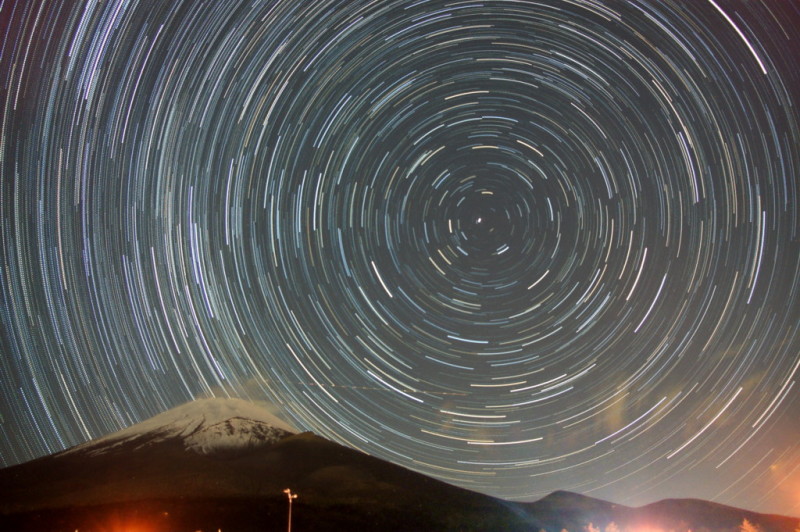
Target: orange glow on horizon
(120,522)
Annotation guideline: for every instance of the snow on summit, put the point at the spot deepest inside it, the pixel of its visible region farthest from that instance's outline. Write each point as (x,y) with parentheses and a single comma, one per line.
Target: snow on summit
(205,425)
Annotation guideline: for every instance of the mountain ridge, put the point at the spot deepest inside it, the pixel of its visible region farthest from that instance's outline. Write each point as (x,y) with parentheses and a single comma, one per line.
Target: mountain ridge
(222,461)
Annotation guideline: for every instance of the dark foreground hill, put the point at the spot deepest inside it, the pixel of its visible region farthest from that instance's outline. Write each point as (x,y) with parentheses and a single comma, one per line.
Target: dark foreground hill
(574,512)
(223,465)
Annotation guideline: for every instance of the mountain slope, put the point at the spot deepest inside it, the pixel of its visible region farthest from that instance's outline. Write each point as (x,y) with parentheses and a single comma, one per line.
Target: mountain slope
(176,453)
(209,455)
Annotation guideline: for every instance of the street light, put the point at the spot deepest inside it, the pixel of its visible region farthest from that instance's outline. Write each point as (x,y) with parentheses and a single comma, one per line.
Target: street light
(291,496)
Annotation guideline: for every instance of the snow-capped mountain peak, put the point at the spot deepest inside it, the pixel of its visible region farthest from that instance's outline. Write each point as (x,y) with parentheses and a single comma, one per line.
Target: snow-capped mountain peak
(205,426)
(232,434)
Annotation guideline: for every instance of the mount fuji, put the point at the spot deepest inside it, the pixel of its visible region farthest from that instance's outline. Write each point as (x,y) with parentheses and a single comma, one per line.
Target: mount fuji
(206,426)
(223,464)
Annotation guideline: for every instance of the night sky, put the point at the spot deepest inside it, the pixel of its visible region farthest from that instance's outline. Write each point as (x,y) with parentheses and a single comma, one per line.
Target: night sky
(519,246)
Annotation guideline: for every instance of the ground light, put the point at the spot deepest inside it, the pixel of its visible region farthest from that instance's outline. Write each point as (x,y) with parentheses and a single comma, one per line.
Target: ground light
(291,496)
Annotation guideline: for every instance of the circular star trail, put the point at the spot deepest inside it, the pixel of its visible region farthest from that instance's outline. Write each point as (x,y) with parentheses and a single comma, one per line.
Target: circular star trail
(519,246)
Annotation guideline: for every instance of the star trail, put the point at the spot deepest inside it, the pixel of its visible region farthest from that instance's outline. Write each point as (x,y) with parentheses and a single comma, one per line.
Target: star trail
(519,246)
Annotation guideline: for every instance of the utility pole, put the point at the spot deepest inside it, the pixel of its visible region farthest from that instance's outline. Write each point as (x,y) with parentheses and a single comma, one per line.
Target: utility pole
(292,497)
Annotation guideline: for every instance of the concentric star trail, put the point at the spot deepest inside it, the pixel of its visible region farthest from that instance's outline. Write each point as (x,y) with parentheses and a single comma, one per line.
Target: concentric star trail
(519,246)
